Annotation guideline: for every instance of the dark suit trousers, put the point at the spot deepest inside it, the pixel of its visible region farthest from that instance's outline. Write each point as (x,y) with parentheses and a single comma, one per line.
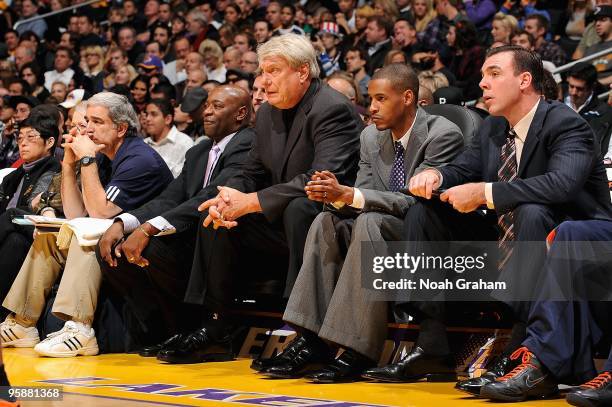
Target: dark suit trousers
(155,294)
(437,221)
(562,333)
(251,247)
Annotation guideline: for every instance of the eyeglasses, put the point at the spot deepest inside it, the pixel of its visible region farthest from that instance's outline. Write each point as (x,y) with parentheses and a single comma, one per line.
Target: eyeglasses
(29,137)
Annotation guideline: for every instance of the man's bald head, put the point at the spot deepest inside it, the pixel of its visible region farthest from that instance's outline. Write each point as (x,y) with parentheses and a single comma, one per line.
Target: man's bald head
(227,110)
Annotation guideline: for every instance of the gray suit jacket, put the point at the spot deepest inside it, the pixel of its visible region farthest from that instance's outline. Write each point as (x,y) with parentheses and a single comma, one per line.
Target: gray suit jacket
(434,141)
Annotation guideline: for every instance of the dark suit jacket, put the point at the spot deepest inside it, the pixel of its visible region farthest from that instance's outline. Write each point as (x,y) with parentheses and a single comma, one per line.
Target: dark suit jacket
(179,202)
(324,136)
(560,165)
(377,60)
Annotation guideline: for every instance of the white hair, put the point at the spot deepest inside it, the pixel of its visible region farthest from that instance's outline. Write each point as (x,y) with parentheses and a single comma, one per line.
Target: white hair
(119,108)
(293,48)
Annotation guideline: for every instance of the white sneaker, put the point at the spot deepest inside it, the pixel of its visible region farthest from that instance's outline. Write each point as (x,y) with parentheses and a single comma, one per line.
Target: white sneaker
(73,339)
(17,336)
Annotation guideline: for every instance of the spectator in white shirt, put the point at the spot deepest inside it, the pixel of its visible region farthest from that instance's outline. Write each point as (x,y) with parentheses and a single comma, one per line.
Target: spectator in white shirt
(62,72)
(164,137)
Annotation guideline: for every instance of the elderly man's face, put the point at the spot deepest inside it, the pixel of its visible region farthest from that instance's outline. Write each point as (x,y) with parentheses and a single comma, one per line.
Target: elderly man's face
(101,129)
(282,82)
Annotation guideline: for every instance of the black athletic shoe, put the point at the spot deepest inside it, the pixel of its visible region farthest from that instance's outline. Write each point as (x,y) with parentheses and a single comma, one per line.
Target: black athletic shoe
(530,379)
(596,393)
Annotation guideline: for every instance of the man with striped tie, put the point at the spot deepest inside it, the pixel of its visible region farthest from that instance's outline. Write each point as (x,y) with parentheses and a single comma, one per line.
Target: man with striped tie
(534,162)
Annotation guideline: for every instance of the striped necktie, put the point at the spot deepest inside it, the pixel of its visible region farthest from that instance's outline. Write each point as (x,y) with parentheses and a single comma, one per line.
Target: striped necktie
(507,172)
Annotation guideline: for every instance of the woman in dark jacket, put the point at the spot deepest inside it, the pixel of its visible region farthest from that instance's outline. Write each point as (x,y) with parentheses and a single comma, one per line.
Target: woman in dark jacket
(20,192)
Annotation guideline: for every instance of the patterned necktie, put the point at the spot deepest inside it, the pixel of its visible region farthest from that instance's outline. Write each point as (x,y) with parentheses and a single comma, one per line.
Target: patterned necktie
(398,175)
(507,172)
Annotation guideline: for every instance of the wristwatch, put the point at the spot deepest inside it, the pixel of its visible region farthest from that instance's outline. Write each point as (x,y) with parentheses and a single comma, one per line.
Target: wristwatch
(85,161)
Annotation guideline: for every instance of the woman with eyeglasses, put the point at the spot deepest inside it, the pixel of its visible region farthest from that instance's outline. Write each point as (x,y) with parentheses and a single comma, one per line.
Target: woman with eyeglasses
(21,190)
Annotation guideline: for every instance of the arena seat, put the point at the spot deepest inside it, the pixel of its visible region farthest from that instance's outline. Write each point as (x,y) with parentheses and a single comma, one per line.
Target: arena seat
(467,119)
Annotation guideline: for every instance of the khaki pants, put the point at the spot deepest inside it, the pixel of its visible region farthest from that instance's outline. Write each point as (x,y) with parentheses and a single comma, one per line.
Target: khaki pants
(77,296)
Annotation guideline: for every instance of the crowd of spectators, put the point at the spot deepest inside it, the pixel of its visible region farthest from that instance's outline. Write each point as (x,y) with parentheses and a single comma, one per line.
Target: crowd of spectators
(148,48)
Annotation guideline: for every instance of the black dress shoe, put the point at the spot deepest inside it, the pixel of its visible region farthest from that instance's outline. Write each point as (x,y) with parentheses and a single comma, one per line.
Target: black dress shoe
(199,347)
(596,393)
(416,366)
(346,368)
(312,355)
(153,350)
(530,379)
(501,365)
(288,353)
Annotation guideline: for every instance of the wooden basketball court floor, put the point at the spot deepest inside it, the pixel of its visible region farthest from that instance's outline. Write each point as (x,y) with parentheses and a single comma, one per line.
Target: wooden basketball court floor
(129,380)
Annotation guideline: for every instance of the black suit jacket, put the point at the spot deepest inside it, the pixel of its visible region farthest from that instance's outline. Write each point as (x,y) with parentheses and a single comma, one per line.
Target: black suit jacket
(324,136)
(377,59)
(560,165)
(179,202)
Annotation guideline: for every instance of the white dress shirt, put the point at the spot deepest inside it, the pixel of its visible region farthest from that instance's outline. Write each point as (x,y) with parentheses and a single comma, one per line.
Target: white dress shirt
(54,76)
(172,149)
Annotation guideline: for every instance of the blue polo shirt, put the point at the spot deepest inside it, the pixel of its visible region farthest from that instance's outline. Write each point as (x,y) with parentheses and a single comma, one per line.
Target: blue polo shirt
(138,174)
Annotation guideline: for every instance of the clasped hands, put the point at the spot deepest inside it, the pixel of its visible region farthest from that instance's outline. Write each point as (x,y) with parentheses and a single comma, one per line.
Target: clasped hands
(464,198)
(229,205)
(77,146)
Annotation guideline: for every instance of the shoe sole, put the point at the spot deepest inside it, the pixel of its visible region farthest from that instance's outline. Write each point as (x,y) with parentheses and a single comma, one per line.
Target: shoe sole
(430,377)
(517,399)
(344,380)
(581,401)
(87,351)
(469,392)
(22,343)
(215,357)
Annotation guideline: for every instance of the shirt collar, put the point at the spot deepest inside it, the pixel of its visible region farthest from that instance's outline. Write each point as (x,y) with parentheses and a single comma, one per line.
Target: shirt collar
(406,137)
(577,109)
(223,143)
(522,127)
(170,138)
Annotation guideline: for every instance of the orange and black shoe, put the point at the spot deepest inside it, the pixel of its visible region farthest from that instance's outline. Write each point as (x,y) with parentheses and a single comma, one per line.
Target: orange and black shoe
(596,393)
(530,379)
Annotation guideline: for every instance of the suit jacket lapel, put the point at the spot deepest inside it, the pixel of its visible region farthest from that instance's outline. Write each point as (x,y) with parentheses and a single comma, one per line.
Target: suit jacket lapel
(418,135)
(199,170)
(298,122)
(533,136)
(385,157)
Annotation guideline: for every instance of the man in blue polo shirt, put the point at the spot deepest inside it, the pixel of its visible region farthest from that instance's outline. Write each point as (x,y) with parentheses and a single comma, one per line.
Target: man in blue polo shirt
(118,172)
